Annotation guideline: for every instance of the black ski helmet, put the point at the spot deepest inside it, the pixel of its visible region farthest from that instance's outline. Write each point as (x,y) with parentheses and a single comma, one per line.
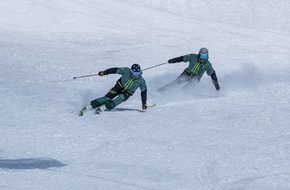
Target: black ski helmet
(136,68)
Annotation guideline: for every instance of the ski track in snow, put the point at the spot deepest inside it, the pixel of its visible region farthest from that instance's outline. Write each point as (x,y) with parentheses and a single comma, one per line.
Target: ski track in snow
(195,138)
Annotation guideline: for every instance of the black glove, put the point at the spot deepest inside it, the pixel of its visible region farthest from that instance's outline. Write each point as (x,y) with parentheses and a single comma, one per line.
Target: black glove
(101,73)
(215,81)
(217,86)
(176,59)
(144,99)
(144,106)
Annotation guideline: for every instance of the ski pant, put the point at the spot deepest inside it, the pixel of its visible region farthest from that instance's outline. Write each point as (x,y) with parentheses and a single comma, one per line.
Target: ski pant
(113,98)
(181,79)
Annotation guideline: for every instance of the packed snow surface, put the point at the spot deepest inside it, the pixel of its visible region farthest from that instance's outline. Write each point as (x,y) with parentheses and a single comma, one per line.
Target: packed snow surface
(195,137)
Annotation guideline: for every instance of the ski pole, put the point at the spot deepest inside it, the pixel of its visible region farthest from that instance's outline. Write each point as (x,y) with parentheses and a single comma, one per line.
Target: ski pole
(78,77)
(154,66)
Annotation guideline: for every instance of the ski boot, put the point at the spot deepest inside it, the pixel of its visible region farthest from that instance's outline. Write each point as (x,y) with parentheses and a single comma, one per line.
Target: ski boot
(85,109)
(100,109)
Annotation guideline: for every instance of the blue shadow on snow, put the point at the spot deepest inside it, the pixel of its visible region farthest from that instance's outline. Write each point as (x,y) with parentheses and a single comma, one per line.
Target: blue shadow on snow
(30,163)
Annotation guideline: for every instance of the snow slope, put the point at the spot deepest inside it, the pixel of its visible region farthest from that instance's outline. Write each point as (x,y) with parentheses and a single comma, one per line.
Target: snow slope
(194,138)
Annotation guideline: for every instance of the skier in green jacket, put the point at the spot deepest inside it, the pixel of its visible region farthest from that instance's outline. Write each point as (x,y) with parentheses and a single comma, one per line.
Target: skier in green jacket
(125,87)
(198,65)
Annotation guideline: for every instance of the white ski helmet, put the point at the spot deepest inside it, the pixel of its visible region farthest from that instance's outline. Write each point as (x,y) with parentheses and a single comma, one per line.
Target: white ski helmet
(203,53)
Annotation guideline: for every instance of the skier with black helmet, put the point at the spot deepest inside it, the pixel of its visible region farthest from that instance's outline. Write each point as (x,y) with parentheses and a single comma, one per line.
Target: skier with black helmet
(198,65)
(125,87)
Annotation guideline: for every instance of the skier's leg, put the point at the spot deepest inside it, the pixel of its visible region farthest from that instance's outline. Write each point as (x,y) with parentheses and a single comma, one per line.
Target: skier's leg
(94,104)
(178,81)
(193,82)
(101,101)
(108,97)
(115,102)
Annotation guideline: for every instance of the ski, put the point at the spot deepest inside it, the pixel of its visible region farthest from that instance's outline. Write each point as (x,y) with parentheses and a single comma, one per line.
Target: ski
(134,109)
(127,109)
(98,111)
(85,109)
(151,106)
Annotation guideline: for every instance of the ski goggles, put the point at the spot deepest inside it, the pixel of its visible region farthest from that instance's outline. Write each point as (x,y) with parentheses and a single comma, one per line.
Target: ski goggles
(203,56)
(136,73)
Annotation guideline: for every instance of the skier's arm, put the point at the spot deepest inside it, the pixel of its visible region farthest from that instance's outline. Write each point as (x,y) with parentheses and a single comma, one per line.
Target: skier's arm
(144,99)
(108,71)
(215,80)
(176,59)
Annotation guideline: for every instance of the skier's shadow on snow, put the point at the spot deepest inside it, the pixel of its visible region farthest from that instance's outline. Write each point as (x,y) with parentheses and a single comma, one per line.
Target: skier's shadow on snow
(127,109)
(29,163)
